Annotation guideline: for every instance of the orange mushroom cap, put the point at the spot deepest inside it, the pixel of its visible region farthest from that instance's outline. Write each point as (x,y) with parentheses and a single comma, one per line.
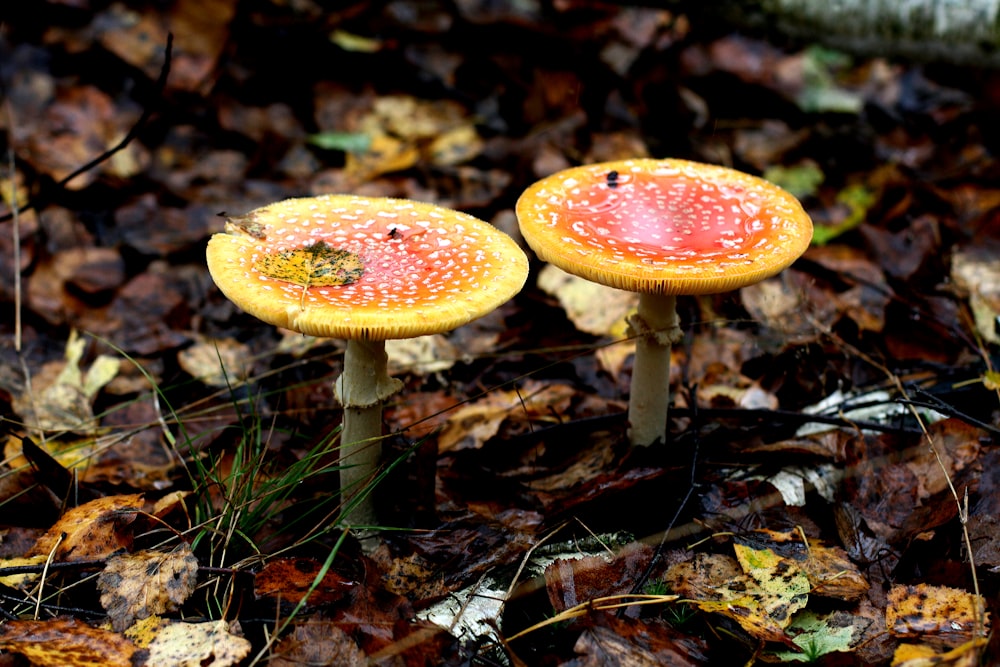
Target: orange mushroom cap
(344,266)
(665,227)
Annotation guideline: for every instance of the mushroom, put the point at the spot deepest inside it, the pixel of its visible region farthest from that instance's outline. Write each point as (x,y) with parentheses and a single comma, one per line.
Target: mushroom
(366,270)
(661,228)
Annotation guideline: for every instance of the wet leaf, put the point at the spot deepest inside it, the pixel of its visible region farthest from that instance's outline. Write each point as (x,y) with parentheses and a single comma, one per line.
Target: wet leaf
(818,635)
(64,402)
(217,362)
(473,424)
(290,579)
(216,643)
(146,583)
(316,265)
(318,642)
(66,641)
(976,271)
(937,614)
(591,307)
(93,530)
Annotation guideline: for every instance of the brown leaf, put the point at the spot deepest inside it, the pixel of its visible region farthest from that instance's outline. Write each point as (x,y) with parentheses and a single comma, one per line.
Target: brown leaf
(572,582)
(92,530)
(472,425)
(146,583)
(289,579)
(317,642)
(624,641)
(62,642)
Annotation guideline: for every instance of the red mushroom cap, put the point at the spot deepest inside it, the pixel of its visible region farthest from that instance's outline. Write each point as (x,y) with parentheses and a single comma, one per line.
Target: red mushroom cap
(663,226)
(365,268)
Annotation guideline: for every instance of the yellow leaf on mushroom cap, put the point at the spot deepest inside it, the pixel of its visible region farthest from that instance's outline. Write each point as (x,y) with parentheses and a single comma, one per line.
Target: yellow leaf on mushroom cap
(344,266)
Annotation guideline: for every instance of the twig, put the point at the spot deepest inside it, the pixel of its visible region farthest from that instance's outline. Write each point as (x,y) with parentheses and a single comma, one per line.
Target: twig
(130,136)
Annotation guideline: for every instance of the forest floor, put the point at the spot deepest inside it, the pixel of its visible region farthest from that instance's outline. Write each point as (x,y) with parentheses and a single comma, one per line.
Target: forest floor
(830,491)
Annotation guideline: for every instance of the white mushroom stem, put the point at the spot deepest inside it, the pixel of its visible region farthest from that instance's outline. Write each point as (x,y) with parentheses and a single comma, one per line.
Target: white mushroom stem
(656,326)
(361,389)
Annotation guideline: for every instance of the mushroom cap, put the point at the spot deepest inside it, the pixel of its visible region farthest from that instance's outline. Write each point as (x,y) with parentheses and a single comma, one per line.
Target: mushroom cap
(364,268)
(665,227)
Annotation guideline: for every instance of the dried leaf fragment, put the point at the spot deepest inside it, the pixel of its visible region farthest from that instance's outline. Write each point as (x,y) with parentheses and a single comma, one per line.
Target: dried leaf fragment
(146,583)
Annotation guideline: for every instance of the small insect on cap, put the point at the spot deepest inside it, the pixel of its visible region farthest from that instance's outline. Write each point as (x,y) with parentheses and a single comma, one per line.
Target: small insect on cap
(666,227)
(363,268)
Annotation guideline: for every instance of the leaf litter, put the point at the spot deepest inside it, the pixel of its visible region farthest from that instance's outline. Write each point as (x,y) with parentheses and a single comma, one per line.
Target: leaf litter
(825,521)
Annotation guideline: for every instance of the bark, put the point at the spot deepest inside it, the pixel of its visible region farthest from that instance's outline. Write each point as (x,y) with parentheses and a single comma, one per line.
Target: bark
(952,31)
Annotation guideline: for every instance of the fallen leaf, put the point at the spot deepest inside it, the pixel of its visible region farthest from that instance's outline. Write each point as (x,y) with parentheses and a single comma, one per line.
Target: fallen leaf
(976,271)
(198,645)
(421,355)
(146,583)
(591,307)
(821,634)
(65,402)
(939,615)
(290,579)
(20,581)
(470,426)
(570,582)
(217,362)
(61,642)
(92,530)
(317,642)
(969,654)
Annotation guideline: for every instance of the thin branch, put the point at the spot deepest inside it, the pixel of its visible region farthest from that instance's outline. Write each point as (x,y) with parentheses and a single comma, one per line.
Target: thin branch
(129,137)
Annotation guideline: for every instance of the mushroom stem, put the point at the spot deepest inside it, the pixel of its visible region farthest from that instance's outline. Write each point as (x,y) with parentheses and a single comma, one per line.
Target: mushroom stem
(656,325)
(361,389)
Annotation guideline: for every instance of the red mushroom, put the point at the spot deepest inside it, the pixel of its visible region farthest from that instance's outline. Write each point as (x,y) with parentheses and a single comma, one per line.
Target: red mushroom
(662,228)
(366,270)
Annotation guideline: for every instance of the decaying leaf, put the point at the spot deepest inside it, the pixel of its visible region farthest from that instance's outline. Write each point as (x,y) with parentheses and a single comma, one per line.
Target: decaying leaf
(198,645)
(976,271)
(216,362)
(968,654)
(92,530)
(63,401)
(761,591)
(784,585)
(938,615)
(318,642)
(472,425)
(831,573)
(24,579)
(146,583)
(423,354)
(61,642)
(592,308)
(289,580)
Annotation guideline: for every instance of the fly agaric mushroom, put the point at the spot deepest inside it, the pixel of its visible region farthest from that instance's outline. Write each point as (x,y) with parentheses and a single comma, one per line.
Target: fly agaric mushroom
(366,270)
(661,228)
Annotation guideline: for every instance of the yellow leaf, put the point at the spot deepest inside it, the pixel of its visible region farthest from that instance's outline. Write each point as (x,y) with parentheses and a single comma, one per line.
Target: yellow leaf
(197,644)
(946,616)
(60,642)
